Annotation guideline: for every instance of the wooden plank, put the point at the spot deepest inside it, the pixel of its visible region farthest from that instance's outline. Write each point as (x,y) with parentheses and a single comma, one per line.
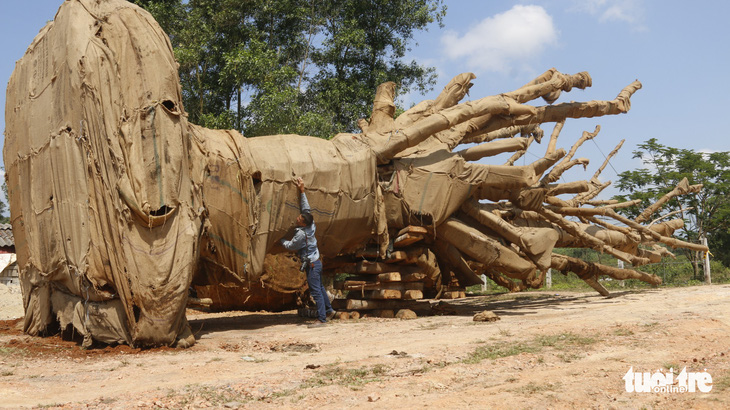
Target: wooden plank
(200,302)
(343,284)
(358,304)
(357,285)
(406,239)
(375,294)
(413,229)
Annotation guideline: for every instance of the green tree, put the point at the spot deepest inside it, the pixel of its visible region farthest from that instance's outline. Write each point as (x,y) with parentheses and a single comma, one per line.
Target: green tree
(292,66)
(706,213)
(365,42)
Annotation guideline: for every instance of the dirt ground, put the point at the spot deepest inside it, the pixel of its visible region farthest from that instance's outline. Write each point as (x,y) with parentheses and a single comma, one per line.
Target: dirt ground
(549,350)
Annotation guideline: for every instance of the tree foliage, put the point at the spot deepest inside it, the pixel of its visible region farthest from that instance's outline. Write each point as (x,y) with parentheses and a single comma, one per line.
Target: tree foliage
(706,213)
(292,66)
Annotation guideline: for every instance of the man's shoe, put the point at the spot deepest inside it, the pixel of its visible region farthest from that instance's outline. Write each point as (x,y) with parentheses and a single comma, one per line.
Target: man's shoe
(331,314)
(317,324)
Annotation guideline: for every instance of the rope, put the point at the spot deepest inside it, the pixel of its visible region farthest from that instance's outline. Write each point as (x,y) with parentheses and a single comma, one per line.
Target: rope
(604,155)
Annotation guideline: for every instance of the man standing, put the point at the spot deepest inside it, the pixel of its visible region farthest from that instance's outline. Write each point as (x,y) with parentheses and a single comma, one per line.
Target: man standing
(305,242)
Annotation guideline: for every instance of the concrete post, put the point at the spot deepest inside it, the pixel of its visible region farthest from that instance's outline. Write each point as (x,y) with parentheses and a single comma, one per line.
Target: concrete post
(708,277)
(549,278)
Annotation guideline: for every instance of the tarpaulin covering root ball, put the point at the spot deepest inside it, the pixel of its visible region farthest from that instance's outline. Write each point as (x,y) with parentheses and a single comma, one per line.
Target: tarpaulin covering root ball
(119,206)
(97,153)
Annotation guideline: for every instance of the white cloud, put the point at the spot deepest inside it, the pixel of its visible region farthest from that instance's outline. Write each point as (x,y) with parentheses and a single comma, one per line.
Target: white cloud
(607,11)
(504,41)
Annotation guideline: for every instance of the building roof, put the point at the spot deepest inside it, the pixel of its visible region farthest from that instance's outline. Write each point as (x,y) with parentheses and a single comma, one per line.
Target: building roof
(6,236)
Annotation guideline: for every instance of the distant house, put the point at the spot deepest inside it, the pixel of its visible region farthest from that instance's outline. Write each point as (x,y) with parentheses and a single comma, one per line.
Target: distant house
(8,265)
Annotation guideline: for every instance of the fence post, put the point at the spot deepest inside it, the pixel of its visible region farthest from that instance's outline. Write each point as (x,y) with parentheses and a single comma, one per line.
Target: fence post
(620,265)
(549,278)
(708,277)
(484,283)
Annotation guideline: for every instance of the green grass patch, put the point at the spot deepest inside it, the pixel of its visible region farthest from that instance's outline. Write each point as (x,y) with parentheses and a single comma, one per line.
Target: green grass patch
(12,351)
(722,383)
(214,395)
(560,342)
(535,388)
(563,341)
(621,331)
(497,351)
(342,376)
(670,365)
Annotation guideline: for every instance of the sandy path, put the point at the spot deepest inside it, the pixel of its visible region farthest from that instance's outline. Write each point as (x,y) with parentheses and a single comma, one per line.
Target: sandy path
(549,350)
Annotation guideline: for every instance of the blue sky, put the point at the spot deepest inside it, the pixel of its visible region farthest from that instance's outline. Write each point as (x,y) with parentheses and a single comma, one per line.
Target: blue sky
(679,50)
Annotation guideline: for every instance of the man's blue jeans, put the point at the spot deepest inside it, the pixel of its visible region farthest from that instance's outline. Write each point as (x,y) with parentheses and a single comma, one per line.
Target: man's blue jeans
(316,288)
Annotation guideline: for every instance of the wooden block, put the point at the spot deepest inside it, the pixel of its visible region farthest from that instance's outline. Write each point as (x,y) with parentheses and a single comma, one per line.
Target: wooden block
(386,294)
(397,256)
(413,229)
(413,253)
(386,313)
(389,277)
(406,239)
(449,295)
(412,277)
(343,315)
(453,294)
(202,302)
(355,315)
(413,295)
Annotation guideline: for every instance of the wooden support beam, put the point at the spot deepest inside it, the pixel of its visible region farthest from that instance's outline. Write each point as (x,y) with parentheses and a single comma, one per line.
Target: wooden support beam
(358,304)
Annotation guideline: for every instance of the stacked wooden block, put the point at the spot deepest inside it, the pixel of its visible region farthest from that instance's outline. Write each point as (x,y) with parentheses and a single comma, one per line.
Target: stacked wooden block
(382,288)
